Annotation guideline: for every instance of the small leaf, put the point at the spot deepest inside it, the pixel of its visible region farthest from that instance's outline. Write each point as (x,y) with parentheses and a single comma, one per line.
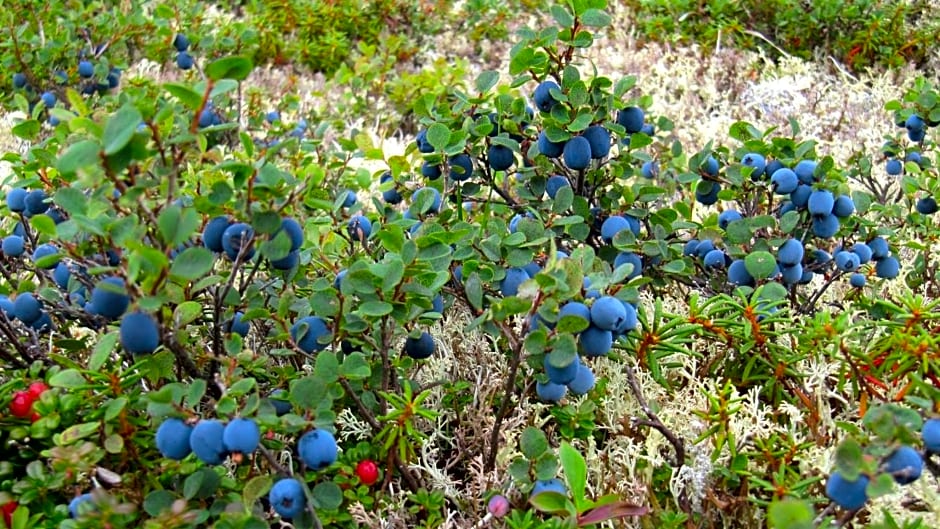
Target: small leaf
(790,514)
(533,442)
(486,80)
(595,18)
(69,378)
(256,488)
(192,263)
(185,94)
(848,459)
(327,495)
(120,129)
(159,501)
(186,313)
(79,156)
(552,502)
(575,471)
(26,129)
(236,67)
(375,309)
(438,136)
(760,264)
(355,367)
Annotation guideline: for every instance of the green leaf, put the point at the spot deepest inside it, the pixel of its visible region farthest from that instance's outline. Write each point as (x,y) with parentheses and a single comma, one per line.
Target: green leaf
(192,263)
(327,495)
(355,367)
(69,378)
(533,442)
(185,94)
(256,488)
(561,15)
(486,80)
(26,129)
(186,313)
(79,156)
(159,501)
(73,201)
(575,472)
(760,264)
(790,514)
(327,367)
(201,484)
(120,129)
(848,459)
(553,503)
(306,392)
(438,136)
(880,485)
(78,431)
(177,225)
(595,18)
(235,67)
(103,349)
(46,226)
(375,309)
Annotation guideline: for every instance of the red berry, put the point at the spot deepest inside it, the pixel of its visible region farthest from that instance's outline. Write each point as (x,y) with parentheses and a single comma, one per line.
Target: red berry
(37,388)
(7,510)
(34,417)
(22,404)
(367,471)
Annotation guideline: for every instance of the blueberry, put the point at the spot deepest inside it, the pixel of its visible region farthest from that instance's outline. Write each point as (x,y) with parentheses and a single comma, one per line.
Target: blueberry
(461,167)
(421,347)
(499,157)
(139,333)
(13,245)
(27,308)
(173,439)
(206,441)
(728,216)
(542,96)
(555,183)
(607,313)
(550,391)
(317,449)
(550,148)
(184,60)
(549,485)
(631,119)
(241,436)
(212,235)
(561,375)
(16,199)
(86,69)
(287,498)
(931,435)
(598,139)
(583,381)
(312,329)
(237,325)
(821,203)
(510,284)
(850,495)
(238,239)
(109,297)
(594,341)
(905,464)
(75,506)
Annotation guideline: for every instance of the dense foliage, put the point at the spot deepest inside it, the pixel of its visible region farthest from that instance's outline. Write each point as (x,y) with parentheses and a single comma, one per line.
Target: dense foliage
(219,311)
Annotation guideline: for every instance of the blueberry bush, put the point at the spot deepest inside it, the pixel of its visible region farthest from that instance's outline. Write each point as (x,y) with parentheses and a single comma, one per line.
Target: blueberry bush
(223,311)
